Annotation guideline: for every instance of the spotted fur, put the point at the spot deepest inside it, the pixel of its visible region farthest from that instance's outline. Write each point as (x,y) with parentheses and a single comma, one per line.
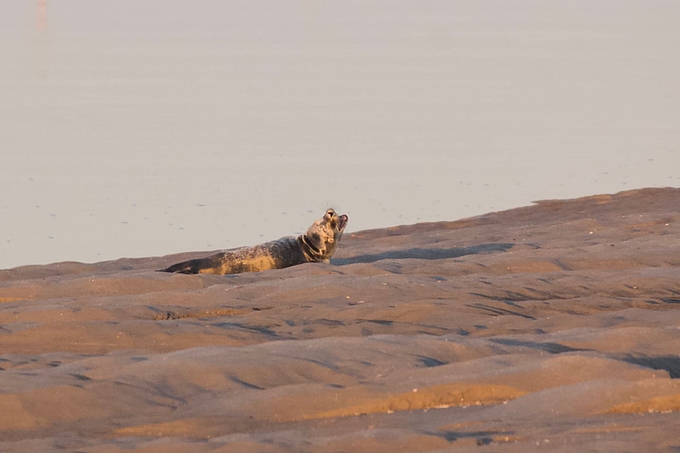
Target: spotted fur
(317,244)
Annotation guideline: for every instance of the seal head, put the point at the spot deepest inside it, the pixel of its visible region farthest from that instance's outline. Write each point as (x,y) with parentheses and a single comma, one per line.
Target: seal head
(322,238)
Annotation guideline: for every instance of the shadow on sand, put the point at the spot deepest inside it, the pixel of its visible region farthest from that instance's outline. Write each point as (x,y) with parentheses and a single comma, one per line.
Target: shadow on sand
(424,254)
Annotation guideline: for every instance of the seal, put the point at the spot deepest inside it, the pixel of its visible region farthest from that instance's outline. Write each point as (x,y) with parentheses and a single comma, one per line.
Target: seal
(317,244)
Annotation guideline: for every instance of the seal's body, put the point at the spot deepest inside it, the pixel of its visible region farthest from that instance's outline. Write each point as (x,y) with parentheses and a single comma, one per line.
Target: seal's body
(317,244)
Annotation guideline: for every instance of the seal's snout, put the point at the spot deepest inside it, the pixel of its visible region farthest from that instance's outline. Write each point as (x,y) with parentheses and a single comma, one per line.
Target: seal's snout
(343,219)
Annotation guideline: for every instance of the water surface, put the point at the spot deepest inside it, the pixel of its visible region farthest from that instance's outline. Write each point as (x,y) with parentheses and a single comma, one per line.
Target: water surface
(137,128)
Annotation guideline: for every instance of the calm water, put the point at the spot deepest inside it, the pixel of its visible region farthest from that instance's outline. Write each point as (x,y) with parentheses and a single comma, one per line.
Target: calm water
(136,128)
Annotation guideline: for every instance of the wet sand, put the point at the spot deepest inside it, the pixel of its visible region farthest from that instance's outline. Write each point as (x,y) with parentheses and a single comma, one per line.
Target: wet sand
(552,327)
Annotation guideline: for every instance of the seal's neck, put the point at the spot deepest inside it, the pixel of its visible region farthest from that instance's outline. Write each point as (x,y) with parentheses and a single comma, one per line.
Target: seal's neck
(309,250)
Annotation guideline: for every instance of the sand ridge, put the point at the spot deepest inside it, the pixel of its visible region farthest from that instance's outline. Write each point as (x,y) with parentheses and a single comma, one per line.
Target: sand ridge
(551,325)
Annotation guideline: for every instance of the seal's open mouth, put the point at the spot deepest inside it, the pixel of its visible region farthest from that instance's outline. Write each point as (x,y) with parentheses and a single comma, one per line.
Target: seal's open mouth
(342,222)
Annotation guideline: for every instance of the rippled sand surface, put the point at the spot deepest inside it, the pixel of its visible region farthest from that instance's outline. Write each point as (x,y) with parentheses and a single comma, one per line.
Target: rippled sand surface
(553,327)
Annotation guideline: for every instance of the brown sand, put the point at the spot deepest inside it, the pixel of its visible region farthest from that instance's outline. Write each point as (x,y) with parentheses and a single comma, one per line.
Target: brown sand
(552,327)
